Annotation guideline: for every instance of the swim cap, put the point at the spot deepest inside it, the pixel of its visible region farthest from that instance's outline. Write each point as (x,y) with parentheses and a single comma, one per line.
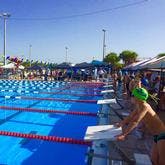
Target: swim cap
(140,93)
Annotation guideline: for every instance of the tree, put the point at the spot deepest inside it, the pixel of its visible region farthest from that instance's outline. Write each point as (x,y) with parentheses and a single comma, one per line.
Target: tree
(118,66)
(161,55)
(26,63)
(128,56)
(112,58)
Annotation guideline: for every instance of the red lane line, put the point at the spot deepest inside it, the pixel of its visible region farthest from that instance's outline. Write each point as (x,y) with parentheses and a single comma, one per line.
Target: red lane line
(55,99)
(47,138)
(71,94)
(48,111)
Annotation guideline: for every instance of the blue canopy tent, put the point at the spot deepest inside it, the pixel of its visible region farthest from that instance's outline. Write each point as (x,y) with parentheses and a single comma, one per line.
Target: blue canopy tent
(83,65)
(35,67)
(63,65)
(97,63)
(101,64)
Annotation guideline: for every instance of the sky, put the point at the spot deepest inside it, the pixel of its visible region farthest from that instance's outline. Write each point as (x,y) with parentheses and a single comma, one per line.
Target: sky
(50,26)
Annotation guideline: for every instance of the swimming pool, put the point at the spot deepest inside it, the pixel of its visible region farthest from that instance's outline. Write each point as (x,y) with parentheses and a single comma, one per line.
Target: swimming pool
(23,94)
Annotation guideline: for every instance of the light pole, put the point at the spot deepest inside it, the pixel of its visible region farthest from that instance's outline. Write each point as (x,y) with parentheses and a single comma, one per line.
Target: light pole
(30,51)
(5,16)
(104,46)
(66,54)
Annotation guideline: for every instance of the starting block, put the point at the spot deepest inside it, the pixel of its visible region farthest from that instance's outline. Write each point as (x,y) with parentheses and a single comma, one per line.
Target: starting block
(106,101)
(107,86)
(125,114)
(102,132)
(142,159)
(107,91)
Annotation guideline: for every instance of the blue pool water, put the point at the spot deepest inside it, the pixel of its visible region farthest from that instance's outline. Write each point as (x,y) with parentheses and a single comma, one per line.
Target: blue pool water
(15,150)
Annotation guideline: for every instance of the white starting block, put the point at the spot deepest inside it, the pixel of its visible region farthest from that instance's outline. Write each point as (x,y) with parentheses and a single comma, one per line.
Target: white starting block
(106,101)
(106,132)
(125,114)
(107,91)
(142,159)
(107,86)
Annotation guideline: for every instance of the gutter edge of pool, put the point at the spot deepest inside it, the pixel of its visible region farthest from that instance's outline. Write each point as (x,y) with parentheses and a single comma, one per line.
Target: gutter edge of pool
(100,148)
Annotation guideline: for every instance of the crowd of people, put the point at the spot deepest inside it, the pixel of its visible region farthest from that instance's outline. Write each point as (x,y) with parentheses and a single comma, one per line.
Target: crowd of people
(71,74)
(148,80)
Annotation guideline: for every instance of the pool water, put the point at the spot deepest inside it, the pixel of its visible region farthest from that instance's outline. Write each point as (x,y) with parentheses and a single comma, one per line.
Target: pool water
(14,150)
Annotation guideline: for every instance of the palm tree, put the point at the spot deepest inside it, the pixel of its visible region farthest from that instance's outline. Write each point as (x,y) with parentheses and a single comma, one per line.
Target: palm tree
(161,55)
(128,56)
(113,59)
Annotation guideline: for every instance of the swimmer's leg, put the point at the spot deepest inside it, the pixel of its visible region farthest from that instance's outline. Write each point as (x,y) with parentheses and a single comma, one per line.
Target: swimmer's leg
(154,154)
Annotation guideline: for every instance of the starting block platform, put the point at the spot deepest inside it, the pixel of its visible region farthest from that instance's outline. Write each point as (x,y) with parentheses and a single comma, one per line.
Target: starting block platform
(102,132)
(125,114)
(107,91)
(107,86)
(142,159)
(106,101)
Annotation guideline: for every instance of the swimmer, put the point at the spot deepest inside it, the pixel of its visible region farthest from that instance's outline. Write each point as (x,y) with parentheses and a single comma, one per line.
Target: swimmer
(145,114)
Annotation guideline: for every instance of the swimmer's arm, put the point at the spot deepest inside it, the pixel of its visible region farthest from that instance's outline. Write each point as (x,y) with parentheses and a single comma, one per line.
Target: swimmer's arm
(128,119)
(134,122)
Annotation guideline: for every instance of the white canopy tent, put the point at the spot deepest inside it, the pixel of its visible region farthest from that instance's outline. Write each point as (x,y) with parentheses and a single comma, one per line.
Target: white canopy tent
(21,67)
(157,64)
(134,66)
(8,66)
(11,66)
(150,63)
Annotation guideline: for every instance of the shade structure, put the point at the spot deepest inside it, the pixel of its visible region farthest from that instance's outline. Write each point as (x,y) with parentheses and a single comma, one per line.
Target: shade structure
(150,62)
(12,66)
(63,65)
(35,67)
(9,66)
(83,65)
(97,63)
(135,65)
(159,64)
(21,67)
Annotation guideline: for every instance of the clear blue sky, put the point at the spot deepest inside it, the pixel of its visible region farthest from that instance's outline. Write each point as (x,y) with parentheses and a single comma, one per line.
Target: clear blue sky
(140,28)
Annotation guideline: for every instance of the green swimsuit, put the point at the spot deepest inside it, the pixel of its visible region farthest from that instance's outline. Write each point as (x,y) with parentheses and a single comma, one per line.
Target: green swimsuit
(161,136)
